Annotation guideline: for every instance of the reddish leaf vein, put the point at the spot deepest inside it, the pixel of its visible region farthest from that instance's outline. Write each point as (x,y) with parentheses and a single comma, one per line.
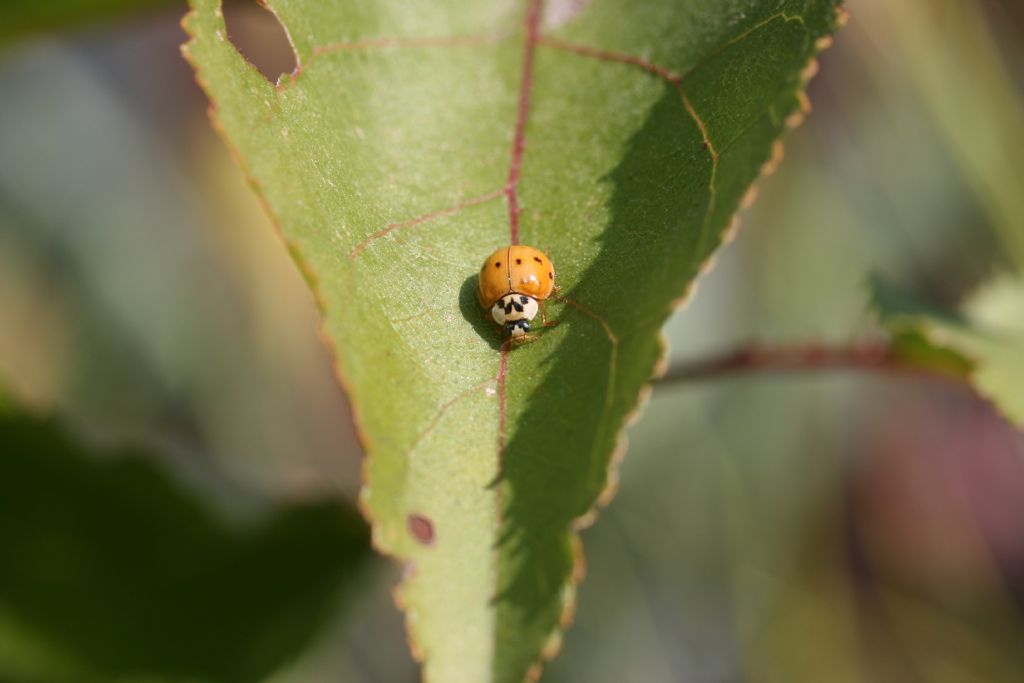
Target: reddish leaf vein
(530,39)
(675,79)
(447,211)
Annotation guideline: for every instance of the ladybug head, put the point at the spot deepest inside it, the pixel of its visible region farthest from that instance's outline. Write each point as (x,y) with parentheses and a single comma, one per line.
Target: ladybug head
(517,328)
(513,308)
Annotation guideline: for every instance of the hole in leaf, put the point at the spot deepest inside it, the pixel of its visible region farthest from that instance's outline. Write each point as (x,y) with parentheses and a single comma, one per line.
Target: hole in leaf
(421,528)
(258,35)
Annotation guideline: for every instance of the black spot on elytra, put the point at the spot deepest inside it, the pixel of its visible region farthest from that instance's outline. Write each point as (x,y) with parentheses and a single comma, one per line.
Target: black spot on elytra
(497,264)
(551,276)
(537,260)
(519,261)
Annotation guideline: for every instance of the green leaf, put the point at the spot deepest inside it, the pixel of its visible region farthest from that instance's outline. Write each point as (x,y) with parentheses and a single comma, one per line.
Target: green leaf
(984,343)
(20,17)
(413,140)
(111,571)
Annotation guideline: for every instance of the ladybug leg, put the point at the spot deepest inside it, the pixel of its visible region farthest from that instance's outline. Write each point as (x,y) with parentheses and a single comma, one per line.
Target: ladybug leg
(544,317)
(524,339)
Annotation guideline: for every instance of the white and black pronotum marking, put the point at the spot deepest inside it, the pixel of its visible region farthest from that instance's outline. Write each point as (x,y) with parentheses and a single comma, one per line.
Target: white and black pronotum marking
(515,311)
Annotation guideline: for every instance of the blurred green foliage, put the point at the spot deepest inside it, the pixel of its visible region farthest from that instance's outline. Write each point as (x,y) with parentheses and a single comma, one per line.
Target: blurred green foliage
(984,345)
(112,570)
(20,17)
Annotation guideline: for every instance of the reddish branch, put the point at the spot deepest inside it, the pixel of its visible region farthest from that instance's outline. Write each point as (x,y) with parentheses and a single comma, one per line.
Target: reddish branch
(872,356)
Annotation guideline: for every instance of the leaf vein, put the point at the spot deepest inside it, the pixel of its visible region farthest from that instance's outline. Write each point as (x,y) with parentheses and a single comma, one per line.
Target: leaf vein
(530,40)
(444,409)
(424,218)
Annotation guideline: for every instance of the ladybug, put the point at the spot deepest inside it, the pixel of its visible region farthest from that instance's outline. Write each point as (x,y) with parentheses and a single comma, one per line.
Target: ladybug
(513,282)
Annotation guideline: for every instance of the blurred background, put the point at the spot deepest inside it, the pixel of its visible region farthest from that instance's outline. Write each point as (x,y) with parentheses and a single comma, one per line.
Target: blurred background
(837,526)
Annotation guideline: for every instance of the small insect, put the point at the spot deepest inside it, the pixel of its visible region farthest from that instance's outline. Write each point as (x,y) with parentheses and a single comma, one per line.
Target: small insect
(513,282)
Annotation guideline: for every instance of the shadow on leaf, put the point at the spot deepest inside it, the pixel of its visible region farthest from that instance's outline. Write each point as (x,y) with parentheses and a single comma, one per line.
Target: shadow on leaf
(592,379)
(474,313)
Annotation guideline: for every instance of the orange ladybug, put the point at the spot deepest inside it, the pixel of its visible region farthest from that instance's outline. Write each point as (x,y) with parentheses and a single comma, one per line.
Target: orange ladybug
(513,281)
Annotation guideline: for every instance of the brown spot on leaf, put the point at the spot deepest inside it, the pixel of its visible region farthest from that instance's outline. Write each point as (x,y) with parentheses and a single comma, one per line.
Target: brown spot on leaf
(421,528)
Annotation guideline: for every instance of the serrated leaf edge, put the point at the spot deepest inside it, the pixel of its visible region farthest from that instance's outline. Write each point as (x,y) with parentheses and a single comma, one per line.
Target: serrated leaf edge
(553,643)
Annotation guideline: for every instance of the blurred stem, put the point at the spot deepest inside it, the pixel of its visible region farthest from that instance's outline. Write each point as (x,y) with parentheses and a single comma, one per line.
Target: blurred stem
(874,356)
